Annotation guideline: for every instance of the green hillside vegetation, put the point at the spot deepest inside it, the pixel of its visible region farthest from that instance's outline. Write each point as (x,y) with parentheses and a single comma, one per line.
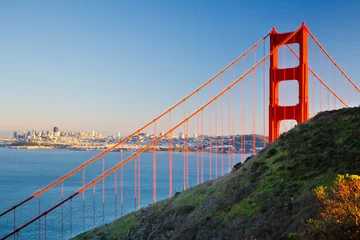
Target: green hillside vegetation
(270,196)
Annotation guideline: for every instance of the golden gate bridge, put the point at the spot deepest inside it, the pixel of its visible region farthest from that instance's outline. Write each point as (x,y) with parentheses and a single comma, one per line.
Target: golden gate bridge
(255,94)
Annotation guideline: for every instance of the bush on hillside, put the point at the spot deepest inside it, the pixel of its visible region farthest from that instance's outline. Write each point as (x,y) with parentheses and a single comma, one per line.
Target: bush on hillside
(339,205)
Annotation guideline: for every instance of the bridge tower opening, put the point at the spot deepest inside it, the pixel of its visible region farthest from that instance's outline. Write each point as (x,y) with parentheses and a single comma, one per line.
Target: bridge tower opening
(300,111)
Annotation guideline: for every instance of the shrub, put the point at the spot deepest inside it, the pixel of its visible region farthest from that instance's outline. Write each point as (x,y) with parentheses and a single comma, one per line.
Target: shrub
(339,205)
(292,236)
(272,152)
(236,167)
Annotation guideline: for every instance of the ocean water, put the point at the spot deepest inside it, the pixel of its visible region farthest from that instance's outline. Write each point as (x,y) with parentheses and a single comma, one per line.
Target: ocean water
(23,172)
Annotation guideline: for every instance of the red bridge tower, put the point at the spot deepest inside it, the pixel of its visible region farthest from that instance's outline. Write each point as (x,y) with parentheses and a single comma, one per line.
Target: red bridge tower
(299,112)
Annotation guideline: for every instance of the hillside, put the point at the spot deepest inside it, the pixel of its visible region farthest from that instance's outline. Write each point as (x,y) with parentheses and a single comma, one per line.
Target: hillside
(267,197)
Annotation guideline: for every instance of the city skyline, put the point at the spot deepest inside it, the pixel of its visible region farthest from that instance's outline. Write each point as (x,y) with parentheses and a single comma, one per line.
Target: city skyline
(61,139)
(74,62)
(64,132)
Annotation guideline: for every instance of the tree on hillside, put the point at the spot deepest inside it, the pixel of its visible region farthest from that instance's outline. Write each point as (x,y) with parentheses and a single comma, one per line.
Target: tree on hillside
(339,205)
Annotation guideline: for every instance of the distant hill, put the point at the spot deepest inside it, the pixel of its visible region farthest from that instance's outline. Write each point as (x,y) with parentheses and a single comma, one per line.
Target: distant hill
(267,197)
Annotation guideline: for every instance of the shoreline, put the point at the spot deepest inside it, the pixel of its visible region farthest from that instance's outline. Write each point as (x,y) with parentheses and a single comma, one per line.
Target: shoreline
(101,150)
(29,147)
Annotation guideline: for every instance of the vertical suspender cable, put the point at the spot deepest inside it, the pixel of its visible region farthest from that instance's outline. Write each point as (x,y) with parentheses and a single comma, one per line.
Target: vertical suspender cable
(186,154)
(154,167)
(210,150)
(83,201)
(244,111)
(335,87)
(115,194)
(349,94)
(328,93)
(233,121)
(342,87)
(62,210)
(228,140)
(320,83)
(184,139)
(202,146)
(139,165)
(103,190)
(197,141)
(170,159)
(253,108)
(135,180)
(216,139)
(121,185)
(241,122)
(222,129)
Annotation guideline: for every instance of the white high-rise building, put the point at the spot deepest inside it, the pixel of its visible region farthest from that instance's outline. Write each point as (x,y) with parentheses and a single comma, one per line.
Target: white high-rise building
(181,135)
(195,135)
(118,134)
(93,133)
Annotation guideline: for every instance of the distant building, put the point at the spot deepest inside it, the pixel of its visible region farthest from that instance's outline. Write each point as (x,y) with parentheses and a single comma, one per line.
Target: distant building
(82,134)
(56,129)
(15,135)
(49,133)
(118,134)
(93,134)
(195,135)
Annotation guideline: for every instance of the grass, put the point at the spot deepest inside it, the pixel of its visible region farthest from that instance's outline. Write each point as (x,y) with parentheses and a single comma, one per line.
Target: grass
(124,225)
(245,208)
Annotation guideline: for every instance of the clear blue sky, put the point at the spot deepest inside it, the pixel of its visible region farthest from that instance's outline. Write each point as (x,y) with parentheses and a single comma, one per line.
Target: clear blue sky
(63,61)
